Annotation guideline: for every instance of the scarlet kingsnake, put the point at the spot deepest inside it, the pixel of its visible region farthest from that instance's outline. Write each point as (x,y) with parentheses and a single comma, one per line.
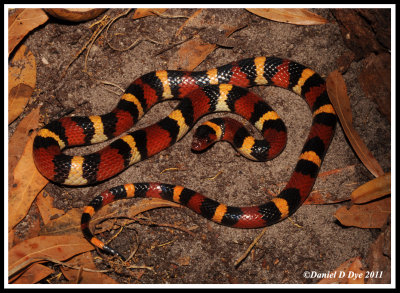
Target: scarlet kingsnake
(218,89)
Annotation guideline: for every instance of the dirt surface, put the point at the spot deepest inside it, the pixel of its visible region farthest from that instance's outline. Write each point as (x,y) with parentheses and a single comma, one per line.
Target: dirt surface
(312,240)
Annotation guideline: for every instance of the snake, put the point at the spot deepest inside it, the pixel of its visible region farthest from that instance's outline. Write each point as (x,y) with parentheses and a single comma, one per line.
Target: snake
(220,89)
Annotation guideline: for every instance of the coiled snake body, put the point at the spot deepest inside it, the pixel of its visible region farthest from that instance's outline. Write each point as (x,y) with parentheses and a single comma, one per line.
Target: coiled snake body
(218,89)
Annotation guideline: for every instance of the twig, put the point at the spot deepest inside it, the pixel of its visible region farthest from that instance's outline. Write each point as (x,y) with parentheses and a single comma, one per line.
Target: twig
(215,176)
(244,255)
(113,84)
(169,169)
(294,223)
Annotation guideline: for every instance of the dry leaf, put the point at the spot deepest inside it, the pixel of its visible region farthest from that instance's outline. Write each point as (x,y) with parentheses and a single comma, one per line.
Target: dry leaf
(143,12)
(21,81)
(183,261)
(196,50)
(370,215)
(337,91)
(371,190)
(44,247)
(324,197)
(44,203)
(69,223)
(192,53)
(355,274)
(30,229)
(11,237)
(85,260)
(189,20)
(299,16)
(75,14)
(33,274)
(19,26)
(26,184)
(349,272)
(18,141)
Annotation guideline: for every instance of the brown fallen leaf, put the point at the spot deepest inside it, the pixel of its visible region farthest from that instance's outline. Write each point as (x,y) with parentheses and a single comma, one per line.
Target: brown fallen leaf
(31,229)
(323,197)
(143,12)
(370,215)
(373,189)
(192,53)
(33,274)
(337,92)
(69,223)
(75,14)
(44,203)
(11,237)
(190,19)
(195,50)
(300,16)
(356,273)
(21,24)
(44,247)
(26,184)
(349,272)
(21,81)
(85,260)
(183,261)
(17,142)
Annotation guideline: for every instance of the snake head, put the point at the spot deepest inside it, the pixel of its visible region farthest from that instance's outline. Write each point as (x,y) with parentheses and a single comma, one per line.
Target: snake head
(203,138)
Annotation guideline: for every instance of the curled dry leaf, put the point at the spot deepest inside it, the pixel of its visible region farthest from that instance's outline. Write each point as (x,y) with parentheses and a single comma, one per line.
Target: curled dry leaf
(298,16)
(33,274)
(143,12)
(337,92)
(371,190)
(75,14)
(26,184)
(370,215)
(20,137)
(44,203)
(21,23)
(69,223)
(324,197)
(44,247)
(21,81)
(195,50)
(192,53)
